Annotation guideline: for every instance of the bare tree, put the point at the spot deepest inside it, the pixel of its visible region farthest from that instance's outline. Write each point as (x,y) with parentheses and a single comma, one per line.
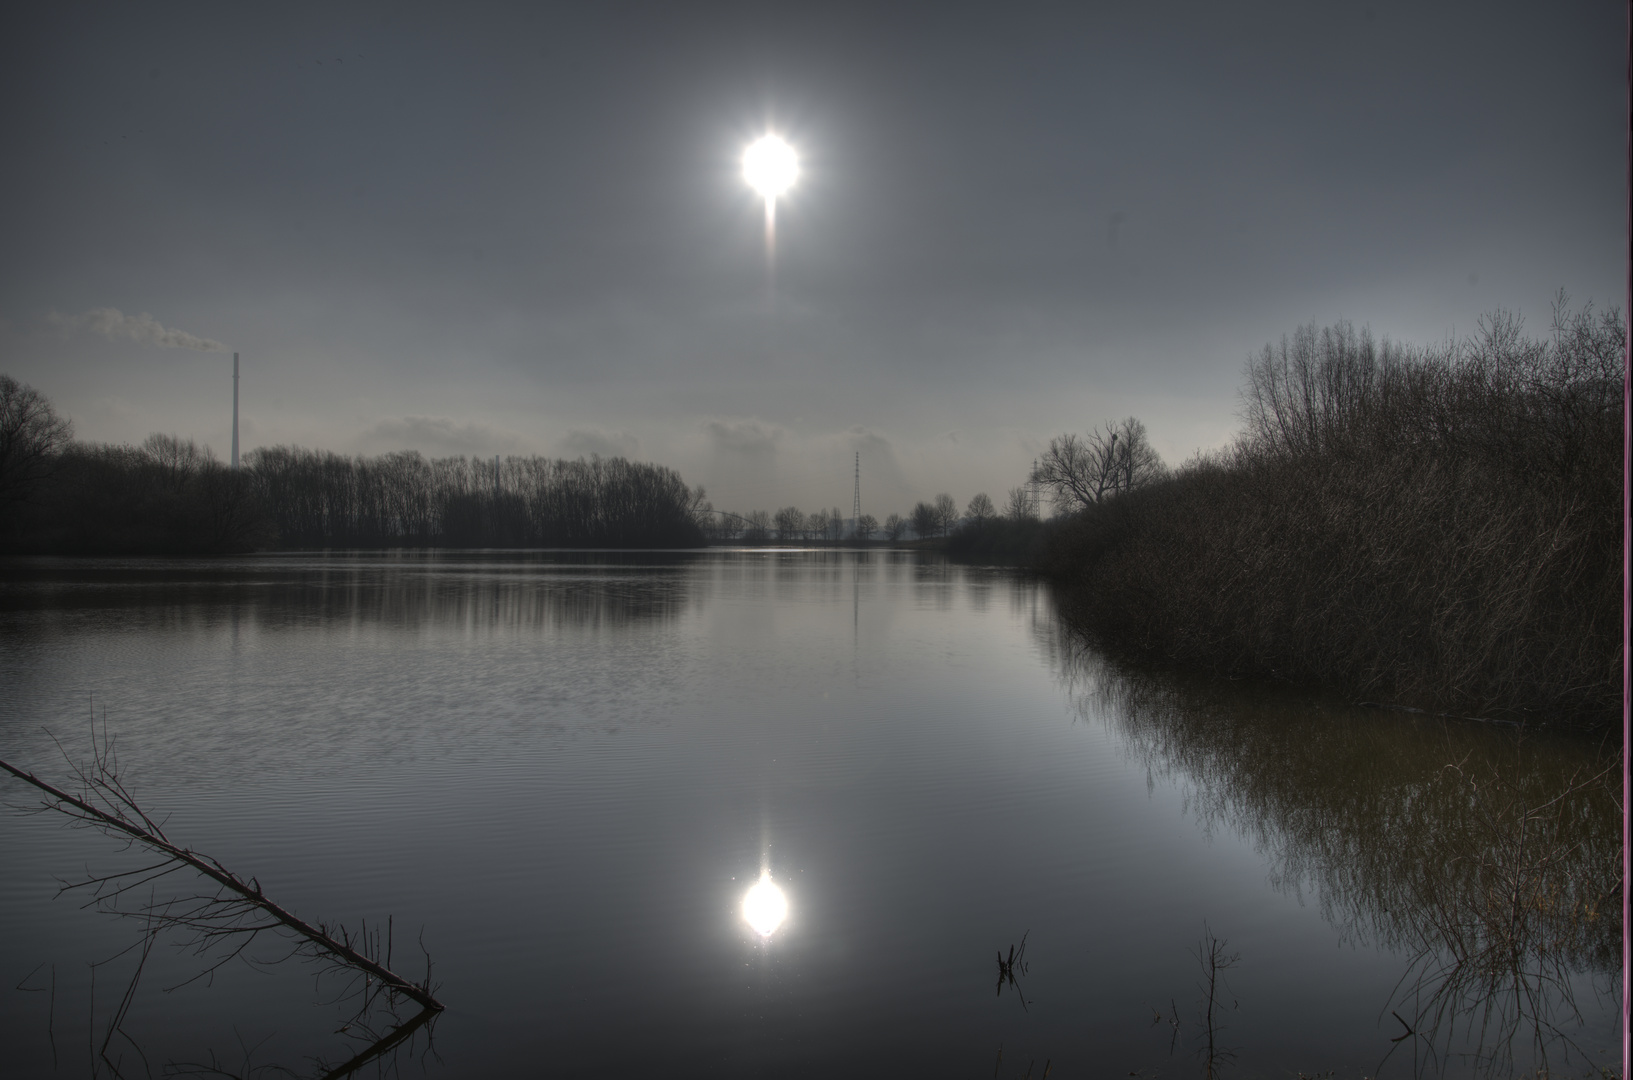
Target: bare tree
(319,499)
(758,530)
(925,520)
(177,460)
(712,523)
(895,525)
(946,513)
(1112,459)
(790,521)
(702,509)
(866,526)
(981,508)
(31,434)
(1020,506)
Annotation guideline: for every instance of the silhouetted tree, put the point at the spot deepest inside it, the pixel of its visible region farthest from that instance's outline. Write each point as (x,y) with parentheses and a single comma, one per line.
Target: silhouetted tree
(321,499)
(790,522)
(1020,506)
(981,508)
(866,526)
(895,526)
(925,520)
(168,496)
(708,519)
(1110,460)
(946,513)
(31,436)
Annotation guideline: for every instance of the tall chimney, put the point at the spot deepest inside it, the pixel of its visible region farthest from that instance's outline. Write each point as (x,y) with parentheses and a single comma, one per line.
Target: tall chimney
(235,411)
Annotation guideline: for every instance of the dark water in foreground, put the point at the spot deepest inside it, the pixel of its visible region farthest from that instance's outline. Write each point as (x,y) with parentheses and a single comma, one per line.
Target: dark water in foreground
(562,773)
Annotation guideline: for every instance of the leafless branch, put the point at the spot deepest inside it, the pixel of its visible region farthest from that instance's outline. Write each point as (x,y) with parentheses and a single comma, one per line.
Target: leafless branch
(222,922)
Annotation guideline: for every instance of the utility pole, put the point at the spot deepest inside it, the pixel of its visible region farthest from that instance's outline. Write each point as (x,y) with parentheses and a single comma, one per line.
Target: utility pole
(856,497)
(235,412)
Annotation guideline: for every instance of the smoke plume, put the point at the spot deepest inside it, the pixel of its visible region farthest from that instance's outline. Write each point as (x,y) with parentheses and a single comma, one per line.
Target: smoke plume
(115,324)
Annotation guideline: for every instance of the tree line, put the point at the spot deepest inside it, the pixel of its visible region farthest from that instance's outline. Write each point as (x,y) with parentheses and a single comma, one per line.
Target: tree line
(320,499)
(170,496)
(938,518)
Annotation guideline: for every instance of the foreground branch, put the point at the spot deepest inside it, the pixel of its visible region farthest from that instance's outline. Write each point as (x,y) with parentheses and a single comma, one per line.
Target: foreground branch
(121,817)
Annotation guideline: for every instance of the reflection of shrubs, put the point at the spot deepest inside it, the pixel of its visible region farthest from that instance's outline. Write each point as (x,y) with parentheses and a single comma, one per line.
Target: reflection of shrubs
(1434,527)
(1508,913)
(1498,876)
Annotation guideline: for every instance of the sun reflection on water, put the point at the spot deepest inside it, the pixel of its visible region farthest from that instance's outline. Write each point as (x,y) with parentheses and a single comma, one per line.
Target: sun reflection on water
(764,906)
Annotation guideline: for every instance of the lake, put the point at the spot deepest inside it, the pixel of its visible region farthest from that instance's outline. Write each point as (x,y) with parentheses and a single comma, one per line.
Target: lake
(561,772)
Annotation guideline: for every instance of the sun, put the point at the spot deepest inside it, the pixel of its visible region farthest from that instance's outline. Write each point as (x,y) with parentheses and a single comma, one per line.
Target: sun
(765,907)
(770,167)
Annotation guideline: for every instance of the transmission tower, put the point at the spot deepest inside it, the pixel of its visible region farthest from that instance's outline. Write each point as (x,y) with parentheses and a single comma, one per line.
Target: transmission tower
(856,496)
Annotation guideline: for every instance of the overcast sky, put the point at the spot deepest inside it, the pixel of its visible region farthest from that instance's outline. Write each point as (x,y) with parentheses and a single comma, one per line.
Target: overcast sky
(480,229)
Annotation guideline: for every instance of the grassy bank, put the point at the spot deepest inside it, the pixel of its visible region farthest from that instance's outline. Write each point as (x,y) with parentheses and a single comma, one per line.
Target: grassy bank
(1438,528)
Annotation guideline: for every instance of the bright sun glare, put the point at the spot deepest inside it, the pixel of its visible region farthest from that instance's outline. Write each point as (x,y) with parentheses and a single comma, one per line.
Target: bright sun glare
(770,167)
(765,906)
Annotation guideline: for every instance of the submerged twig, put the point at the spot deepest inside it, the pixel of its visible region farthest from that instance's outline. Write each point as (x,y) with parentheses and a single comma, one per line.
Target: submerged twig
(211,916)
(237,908)
(1012,966)
(1214,960)
(386,1043)
(51,1008)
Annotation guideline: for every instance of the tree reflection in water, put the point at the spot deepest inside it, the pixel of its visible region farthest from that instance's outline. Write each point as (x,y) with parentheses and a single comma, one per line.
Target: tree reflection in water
(1489,856)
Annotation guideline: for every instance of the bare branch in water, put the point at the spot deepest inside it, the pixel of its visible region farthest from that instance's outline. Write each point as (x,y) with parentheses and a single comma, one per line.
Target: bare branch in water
(225,922)
(1011,967)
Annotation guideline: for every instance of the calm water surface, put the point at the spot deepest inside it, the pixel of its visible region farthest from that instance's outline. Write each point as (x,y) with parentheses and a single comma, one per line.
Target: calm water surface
(562,772)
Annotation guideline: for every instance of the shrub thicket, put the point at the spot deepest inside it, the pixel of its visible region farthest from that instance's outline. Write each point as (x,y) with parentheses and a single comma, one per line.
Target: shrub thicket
(998,539)
(1437,527)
